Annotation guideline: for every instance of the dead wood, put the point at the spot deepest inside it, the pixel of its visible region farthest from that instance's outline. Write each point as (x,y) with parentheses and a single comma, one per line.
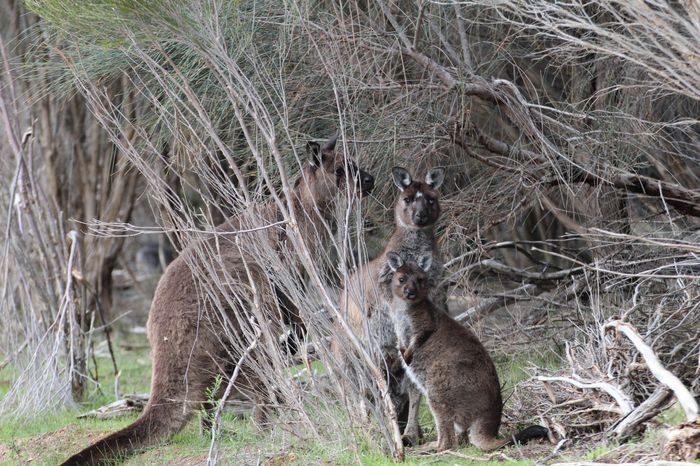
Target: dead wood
(683,395)
(629,424)
(686,200)
(683,442)
(128,404)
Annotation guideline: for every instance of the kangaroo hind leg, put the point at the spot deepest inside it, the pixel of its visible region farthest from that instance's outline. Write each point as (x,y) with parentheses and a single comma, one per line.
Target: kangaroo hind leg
(445,423)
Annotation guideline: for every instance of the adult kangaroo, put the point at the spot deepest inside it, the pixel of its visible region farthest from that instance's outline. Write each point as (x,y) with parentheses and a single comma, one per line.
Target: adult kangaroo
(185,330)
(447,362)
(367,296)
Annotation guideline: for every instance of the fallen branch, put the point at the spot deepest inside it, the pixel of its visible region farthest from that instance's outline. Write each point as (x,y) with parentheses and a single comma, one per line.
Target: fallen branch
(130,403)
(622,400)
(521,273)
(555,452)
(684,397)
(687,201)
(642,413)
(488,306)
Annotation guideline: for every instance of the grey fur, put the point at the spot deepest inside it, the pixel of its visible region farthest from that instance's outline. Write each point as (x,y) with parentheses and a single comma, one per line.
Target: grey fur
(411,241)
(425,262)
(449,365)
(394,260)
(402,178)
(186,341)
(435,177)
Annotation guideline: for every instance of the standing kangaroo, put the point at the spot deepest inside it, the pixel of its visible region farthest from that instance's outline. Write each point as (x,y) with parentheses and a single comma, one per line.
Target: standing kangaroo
(184,329)
(447,363)
(416,211)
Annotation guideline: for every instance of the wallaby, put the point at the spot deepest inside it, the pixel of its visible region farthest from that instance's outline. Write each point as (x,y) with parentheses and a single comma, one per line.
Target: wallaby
(184,329)
(416,211)
(447,362)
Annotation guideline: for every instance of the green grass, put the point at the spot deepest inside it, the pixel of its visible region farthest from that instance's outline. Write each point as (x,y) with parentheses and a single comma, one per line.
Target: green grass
(673,416)
(47,439)
(52,437)
(515,368)
(598,451)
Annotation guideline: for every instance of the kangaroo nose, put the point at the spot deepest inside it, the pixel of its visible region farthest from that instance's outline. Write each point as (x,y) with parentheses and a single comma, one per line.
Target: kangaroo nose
(411,294)
(366,182)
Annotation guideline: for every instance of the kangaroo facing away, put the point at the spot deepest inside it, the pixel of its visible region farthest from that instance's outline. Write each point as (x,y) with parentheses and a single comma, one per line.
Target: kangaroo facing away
(447,362)
(367,296)
(187,342)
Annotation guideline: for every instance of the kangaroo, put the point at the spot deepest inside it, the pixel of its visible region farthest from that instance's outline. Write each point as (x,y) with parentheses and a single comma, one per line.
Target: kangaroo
(187,342)
(447,363)
(416,211)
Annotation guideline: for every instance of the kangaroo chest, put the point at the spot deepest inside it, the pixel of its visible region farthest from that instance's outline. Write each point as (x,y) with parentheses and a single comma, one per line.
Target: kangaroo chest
(417,378)
(411,245)
(402,328)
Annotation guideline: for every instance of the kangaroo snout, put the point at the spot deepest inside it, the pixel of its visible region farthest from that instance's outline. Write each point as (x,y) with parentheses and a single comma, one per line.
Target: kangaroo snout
(366,182)
(410,293)
(420,218)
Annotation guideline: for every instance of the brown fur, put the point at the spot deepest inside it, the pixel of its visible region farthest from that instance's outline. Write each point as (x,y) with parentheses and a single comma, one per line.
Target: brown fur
(416,211)
(448,363)
(185,332)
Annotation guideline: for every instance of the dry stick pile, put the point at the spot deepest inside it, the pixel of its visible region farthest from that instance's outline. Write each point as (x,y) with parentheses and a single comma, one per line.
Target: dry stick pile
(613,380)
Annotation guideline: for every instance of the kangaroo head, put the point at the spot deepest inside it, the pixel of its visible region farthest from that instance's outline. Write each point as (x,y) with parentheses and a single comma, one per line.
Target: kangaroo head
(417,206)
(410,282)
(329,172)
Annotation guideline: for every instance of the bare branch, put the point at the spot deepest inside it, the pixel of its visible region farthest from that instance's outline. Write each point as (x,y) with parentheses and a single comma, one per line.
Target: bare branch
(622,400)
(685,398)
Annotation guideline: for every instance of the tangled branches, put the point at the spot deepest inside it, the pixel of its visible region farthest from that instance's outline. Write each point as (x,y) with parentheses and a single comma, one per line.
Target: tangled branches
(570,134)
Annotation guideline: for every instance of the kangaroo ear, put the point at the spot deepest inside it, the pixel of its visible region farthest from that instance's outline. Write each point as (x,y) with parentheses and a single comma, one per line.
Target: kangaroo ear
(424,262)
(402,179)
(314,150)
(394,260)
(435,177)
(330,144)
(385,275)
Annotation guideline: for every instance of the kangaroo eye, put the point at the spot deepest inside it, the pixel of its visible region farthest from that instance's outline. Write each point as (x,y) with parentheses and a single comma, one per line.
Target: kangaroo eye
(339,171)
(407,200)
(402,279)
(431,201)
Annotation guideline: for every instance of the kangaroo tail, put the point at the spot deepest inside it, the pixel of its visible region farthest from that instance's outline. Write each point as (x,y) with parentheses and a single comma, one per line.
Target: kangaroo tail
(530,433)
(489,441)
(156,423)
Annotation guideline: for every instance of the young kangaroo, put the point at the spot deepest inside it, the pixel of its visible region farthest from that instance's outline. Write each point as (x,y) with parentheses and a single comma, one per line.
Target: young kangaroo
(416,211)
(447,363)
(189,348)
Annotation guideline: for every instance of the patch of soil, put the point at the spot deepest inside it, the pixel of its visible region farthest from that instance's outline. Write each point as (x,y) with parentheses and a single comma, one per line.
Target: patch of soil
(280,460)
(4,453)
(68,439)
(187,461)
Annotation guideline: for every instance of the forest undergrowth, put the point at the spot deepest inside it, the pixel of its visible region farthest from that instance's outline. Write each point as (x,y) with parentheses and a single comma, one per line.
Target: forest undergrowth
(569,229)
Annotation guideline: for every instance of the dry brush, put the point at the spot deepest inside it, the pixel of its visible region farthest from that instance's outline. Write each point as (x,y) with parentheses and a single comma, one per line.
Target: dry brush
(570,134)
